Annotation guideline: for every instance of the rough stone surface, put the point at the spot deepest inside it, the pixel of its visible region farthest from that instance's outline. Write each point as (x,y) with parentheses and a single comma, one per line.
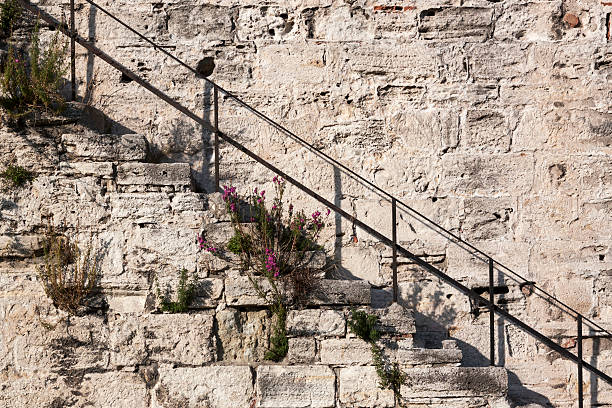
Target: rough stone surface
(213,386)
(317,322)
(295,386)
(490,118)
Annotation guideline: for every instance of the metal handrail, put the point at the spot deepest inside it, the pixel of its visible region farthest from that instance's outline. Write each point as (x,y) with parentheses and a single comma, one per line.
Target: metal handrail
(312,148)
(390,242)
(368,183)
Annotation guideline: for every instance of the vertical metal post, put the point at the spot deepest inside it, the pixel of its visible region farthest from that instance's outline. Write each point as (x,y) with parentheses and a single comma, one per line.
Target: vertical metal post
(579,341)
(72,53)
(216,124)
(491,316)
(394,236)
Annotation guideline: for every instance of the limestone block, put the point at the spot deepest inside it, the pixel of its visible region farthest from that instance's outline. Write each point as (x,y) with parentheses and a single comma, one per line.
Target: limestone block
(341,292)
(162,252)
(209,292)
(214,386)
(395,319)
(486,174)
(79,169)
(359,388)
(427,131)
(20,246)
(117,389)
(239,291)
(530,22)
(243,336)
(166,338)
(182,21)
(485,130)
(445,23)
(494,60)
(488,218)
(345,352)
(455,382)
(317,322)
(130,302)
(139,207)
(363,263)
(164,174)
(188,202)
(104,148)
(295,386)
(302,350)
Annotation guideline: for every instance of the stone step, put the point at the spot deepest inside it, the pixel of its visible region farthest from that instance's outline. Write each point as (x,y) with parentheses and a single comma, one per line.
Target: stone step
(239,291)
(315,386)
(104,148)
(346,352)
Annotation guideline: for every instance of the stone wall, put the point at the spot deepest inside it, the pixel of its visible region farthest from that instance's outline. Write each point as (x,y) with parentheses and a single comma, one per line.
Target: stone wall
(492,118)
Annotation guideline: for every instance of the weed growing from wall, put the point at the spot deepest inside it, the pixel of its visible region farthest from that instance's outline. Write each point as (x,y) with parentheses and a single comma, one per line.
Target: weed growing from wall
(10,10)
(390,376)
(185,294)
(32,81)
(17,175)
(277,244)
(68,274)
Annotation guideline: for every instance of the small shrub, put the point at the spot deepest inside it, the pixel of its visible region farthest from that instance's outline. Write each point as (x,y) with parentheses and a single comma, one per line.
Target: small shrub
(391,376)
(185,294)
(10,10)
(68,275)
(17,175)
(362,324)
(32,81)
(274,245)
(279,343)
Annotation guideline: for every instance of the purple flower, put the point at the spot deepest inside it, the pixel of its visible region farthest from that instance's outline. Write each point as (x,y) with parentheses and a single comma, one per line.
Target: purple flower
(328,211)
(271,265)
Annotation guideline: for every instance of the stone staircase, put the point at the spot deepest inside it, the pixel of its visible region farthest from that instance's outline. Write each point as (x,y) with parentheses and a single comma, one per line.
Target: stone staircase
(145,219)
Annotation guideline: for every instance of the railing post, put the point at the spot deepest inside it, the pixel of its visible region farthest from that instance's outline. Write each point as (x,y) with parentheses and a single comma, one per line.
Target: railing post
(491,316)
(394,237)
(216,125)
(579,341)
(72,53)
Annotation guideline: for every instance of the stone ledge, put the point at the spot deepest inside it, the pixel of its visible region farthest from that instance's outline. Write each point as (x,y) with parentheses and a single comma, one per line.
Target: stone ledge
(455,382)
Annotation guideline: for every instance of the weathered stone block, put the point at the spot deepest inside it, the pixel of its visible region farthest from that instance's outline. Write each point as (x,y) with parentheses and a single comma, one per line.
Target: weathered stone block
(345,352)
(395,319)
(116,389)
(359,388)
(94,147)
(341,292)
(444,23)
(243,335)
(455,382)
(166,338)
(80,169)
(213,386)
(316,322)
(295,386)
(239,291)
(140,207)
(302,350)
(164,174)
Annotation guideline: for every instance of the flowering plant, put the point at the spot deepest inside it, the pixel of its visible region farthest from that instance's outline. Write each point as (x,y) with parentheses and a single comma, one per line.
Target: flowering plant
(275,243)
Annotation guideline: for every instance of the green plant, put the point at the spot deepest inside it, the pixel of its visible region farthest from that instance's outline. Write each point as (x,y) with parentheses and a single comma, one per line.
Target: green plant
(10,11)
(33,81)
(279,343)
(274,245)
(17,175)
(68,274)
(391,376)
(238,243)
(185,294)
